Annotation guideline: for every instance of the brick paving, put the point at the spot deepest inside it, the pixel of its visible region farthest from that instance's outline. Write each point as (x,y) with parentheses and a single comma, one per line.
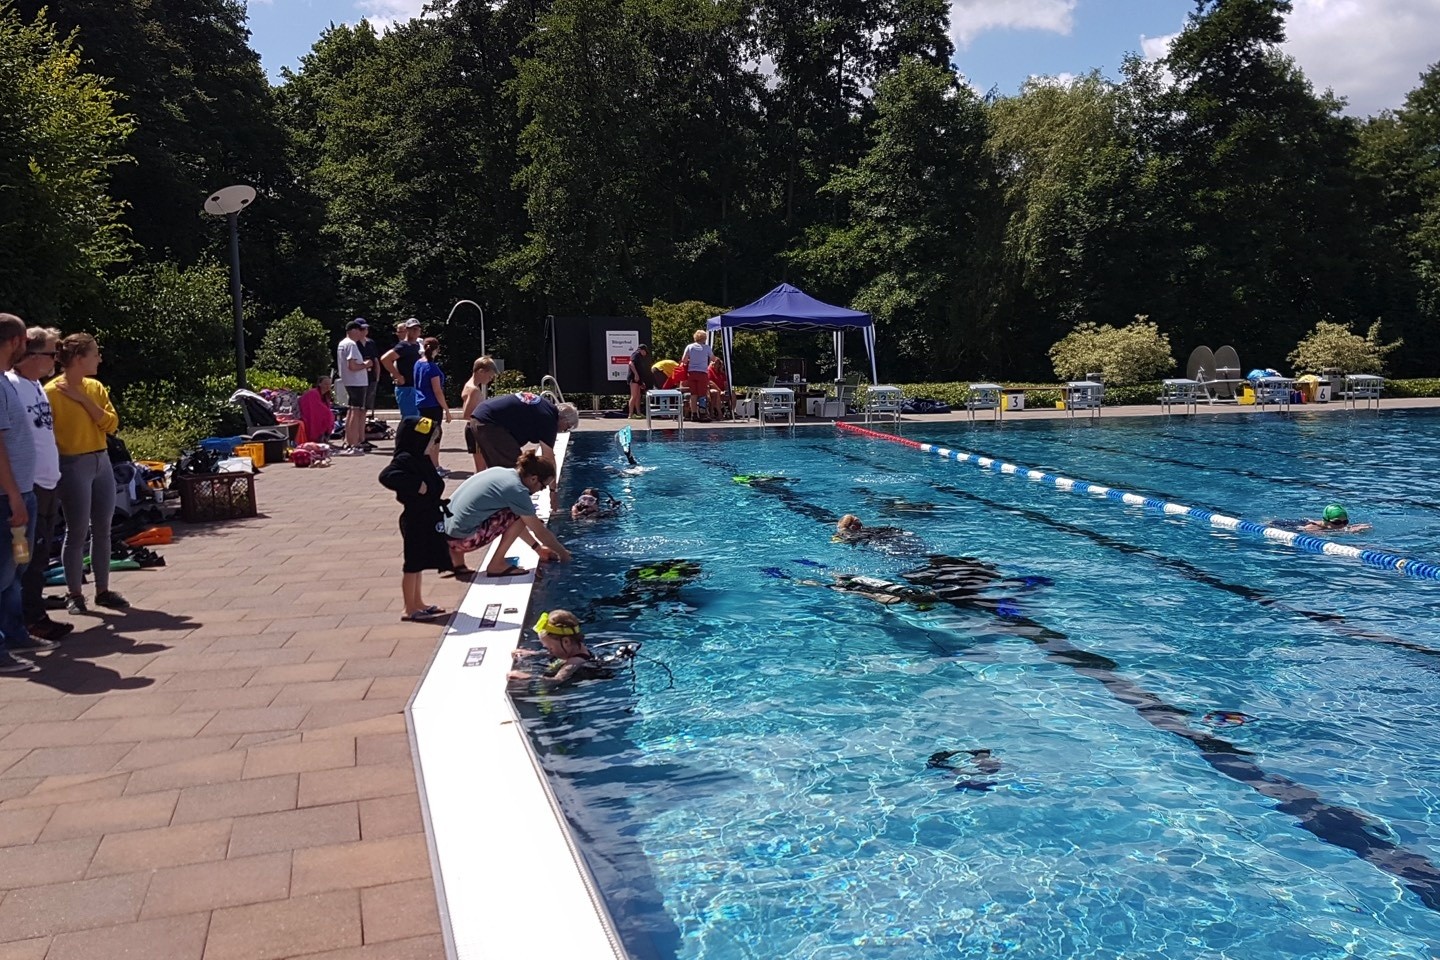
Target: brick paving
(223,772)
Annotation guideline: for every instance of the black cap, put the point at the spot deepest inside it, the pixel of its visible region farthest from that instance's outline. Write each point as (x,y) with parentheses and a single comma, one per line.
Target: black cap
(357,324)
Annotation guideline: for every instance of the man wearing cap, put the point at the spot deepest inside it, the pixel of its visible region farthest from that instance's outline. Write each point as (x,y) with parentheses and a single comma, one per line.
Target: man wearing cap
(400,361)
(355,378)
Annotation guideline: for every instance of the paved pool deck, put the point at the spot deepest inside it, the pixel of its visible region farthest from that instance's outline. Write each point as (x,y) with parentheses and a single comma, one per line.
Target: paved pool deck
(224,772)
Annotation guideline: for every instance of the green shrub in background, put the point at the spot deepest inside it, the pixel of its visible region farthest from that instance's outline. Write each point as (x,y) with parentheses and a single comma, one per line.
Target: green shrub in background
(1334,346)
(1135,353)
(270,380)
(159,419)
(169,323)
(296,346)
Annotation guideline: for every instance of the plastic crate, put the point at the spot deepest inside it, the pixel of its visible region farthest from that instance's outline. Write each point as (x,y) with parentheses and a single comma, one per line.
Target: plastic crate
(255,451)
(221,496)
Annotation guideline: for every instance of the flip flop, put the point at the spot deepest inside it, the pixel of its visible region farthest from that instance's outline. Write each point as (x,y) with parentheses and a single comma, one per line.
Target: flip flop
(423,616)
(460,573)
(507,572)
(433,610)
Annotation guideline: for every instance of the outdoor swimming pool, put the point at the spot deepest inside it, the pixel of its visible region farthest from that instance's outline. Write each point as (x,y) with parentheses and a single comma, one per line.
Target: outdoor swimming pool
(776,802)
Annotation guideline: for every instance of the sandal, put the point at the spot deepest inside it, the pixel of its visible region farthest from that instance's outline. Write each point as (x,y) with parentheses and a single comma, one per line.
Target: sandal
(427,615)
(461,572)
(507,572)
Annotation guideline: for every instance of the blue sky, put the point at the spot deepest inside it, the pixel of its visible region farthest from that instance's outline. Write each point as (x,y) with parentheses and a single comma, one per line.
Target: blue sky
(1370,51)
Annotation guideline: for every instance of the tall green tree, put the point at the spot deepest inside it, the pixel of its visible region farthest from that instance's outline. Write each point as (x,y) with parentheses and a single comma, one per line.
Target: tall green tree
(1252,184)
(62,136)
(1074,200)
(914,243)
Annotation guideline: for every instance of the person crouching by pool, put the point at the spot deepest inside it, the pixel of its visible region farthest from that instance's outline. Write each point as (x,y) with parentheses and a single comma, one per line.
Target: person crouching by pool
(1335,520)
(495,504)
(563,639)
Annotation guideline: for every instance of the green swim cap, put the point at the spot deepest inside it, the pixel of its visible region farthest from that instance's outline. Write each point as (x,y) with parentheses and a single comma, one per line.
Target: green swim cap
(1336,513)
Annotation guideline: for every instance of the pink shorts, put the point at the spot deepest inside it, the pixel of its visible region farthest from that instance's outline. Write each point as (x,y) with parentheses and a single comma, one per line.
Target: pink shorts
(489,530)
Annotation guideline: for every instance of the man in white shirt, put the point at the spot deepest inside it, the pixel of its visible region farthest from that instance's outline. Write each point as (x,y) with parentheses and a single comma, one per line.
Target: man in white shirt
(696,363)
(354,373)
(38,363)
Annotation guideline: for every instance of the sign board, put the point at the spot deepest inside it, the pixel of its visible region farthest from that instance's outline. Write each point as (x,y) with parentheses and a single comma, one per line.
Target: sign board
(491,615)
(475,656)
(620,344)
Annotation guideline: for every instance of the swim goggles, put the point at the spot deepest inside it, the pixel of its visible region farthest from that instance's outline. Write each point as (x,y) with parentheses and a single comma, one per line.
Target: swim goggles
(543,625)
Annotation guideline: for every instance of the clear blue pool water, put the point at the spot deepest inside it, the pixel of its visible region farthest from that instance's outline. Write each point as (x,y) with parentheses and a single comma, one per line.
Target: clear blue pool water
(776,802)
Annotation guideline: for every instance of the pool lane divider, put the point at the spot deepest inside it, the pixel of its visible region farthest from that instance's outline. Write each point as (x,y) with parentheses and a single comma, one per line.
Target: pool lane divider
(1335,824)
(1305,543)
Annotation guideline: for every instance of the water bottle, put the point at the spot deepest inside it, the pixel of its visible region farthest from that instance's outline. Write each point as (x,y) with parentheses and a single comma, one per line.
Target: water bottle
(19,546)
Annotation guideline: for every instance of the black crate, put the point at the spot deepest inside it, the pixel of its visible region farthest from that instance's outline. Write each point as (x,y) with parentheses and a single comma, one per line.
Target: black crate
(220,496)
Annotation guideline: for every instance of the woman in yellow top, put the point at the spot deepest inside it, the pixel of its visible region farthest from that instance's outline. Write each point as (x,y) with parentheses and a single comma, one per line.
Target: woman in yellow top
(83,417)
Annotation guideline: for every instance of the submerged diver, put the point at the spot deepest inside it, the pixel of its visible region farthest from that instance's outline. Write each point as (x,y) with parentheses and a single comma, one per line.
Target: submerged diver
(980,761)
(957,581)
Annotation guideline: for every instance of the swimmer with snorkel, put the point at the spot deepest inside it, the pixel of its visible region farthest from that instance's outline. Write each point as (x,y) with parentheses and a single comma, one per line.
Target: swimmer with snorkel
(1334,520)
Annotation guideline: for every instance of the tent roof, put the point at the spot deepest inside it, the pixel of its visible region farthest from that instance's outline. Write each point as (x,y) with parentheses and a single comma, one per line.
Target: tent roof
(786,306)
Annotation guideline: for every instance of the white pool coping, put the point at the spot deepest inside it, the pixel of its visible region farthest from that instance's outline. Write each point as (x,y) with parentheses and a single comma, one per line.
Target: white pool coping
(500,848)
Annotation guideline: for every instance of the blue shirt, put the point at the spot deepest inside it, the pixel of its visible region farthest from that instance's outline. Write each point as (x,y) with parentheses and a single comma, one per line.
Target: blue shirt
(527,417)
(425,371)
(482,496)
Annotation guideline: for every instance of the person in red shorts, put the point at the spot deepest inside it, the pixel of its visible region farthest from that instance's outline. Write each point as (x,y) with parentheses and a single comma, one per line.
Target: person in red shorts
(695,361)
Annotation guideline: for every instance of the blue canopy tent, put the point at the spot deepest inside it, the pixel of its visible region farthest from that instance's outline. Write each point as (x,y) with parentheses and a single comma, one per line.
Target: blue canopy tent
(786,308)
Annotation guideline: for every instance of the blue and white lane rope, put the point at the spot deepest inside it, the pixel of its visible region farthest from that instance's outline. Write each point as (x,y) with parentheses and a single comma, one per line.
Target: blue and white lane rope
(1409,566)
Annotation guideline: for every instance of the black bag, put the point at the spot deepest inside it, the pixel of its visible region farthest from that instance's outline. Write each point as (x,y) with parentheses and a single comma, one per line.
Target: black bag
(116,448)
(197,463)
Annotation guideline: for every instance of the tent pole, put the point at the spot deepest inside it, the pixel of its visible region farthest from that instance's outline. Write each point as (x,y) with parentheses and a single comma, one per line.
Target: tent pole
(870,345)
(728,335)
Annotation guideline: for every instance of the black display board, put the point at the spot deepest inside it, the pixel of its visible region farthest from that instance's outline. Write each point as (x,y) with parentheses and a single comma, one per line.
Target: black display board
(592,354)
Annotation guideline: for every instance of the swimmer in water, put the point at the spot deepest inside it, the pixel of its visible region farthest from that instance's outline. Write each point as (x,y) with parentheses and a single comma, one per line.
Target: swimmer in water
(562,638)
(587,506)
(851,529)
(1334,520)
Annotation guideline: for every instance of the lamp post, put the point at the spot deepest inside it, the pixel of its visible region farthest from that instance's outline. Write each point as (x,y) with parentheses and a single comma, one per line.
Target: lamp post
(482,320)
(228,203)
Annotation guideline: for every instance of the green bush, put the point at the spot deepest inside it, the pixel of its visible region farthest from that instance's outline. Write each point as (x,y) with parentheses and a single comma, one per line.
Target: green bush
(270,380)
(510,381)
(296,346)
(1334,346)
(169,323)
(1133,354)
(1410,389)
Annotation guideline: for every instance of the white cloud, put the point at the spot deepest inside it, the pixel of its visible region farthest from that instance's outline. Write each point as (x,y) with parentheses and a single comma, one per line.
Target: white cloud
(1154,48)
(970,18)
(384,14)
(1369,51)
(1062,79)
